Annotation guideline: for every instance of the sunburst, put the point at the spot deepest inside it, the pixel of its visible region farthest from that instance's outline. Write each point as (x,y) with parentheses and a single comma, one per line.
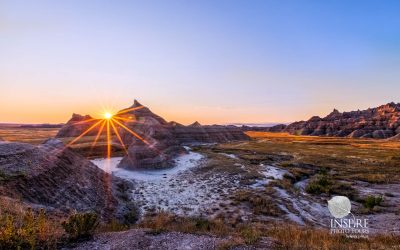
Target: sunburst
(109,122)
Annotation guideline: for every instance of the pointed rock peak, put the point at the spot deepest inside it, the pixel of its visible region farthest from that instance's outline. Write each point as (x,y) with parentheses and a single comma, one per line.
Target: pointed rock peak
(195,124)
(334,112)
(136,104)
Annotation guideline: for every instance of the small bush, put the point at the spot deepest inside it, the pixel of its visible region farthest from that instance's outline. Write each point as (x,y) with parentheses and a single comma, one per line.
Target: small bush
(27,230)
(81,226)
(132,216)
(372,201)
(319,185)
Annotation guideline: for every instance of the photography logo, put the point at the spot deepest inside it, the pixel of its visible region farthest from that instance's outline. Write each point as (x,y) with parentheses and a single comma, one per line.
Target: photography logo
(340,208)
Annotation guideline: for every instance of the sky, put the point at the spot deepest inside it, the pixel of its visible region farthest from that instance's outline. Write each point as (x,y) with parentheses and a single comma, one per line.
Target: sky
(217,61)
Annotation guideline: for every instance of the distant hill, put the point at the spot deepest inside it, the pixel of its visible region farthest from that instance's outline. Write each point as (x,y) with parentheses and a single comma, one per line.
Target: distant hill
(45,125)
(380,123)
(18,125)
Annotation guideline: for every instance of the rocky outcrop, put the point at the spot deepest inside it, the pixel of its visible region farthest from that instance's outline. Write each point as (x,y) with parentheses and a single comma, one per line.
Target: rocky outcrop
(194,133)
(76,125)
(53,177)
(379,123)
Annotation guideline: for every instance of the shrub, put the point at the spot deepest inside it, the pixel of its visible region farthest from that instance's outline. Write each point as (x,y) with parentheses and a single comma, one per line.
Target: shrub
(319,185)
(372,201)
(27,231)
(81,226)
(132,216)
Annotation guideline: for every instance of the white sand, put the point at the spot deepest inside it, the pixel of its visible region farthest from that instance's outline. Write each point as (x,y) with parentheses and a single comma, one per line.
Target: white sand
(181,163)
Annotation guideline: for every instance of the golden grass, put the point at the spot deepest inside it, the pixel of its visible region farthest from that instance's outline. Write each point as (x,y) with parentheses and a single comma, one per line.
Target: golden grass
(27,135)
(374,161)
(163,221)
(304,238)
(280,235)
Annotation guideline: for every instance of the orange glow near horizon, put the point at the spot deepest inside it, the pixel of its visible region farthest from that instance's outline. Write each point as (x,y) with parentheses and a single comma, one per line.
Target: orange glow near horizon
(109,121)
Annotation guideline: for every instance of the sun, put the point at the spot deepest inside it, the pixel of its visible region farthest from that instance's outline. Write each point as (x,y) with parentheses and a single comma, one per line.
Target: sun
(109,123)
(108,115)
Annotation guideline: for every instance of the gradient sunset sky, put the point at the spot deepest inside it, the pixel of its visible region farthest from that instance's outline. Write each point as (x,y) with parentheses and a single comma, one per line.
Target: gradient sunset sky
(211,61)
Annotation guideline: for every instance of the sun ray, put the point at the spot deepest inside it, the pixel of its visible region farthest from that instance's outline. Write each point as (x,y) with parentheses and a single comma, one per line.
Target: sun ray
(128,110)
(108,140)
(118,136)
(85,121)
(84,133)
(111,123)
(124,119)
(127,119)
(99,133)
(130,131)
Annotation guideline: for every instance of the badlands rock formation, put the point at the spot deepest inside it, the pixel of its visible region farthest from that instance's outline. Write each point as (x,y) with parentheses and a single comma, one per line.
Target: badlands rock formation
(53,177)
(76,125)
(276,128)
(162,140)
(197,133)
(380,123)
(159,147)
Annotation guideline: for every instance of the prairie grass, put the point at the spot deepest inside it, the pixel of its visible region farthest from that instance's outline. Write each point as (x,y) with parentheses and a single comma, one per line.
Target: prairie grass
(27,135)
(299,238)
(279,235)
(260,203)
(163,221)
(369,160)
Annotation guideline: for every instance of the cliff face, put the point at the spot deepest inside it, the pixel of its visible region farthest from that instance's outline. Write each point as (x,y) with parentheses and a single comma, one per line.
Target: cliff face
(380,123)
(53,177)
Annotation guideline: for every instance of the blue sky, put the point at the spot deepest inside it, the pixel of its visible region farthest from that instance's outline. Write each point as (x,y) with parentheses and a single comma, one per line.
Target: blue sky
(211,61)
